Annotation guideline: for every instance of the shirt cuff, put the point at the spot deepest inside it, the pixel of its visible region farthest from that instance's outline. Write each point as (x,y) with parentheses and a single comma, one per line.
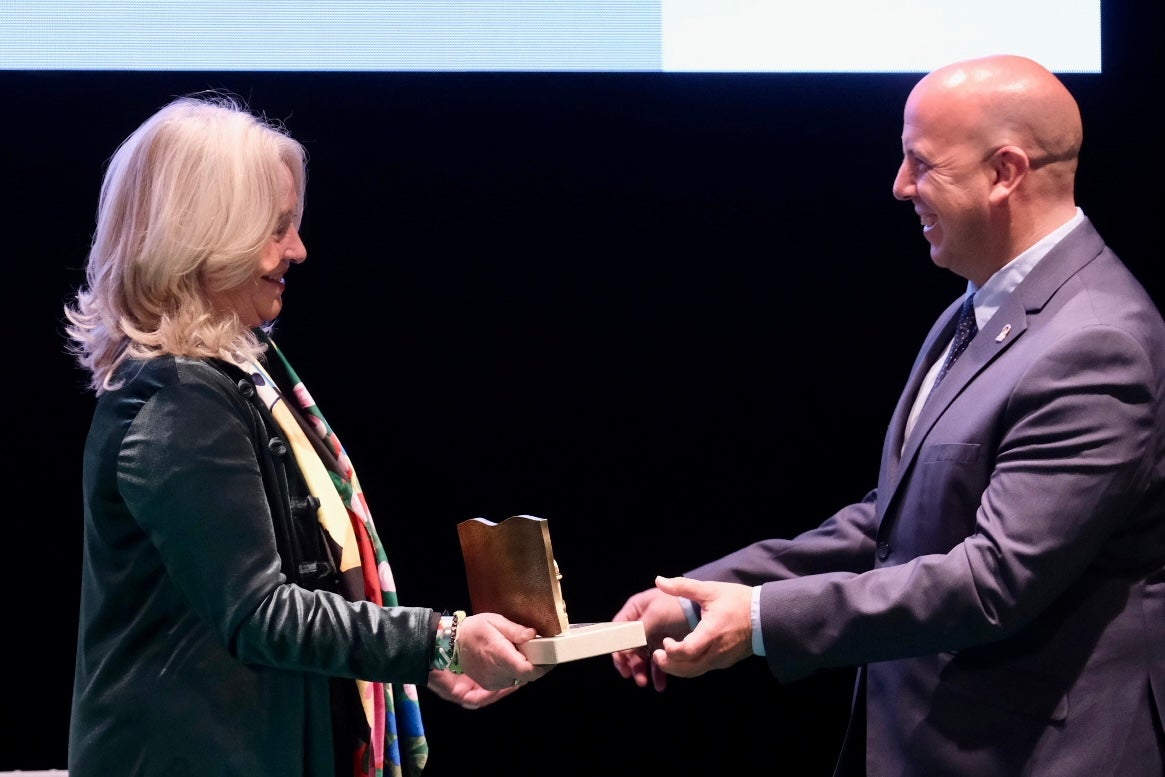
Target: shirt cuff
(758,640)
(692,613)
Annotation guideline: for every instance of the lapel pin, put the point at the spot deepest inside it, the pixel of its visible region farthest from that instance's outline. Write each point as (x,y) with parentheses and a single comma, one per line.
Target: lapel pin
(1002,333)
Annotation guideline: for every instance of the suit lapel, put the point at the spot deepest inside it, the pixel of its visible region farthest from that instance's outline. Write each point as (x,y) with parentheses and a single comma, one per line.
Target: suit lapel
(1010,321)
(932,349)
(996,336)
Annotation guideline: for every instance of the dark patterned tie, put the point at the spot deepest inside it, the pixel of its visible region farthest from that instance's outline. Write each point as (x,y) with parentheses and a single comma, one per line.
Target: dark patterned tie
(965,330)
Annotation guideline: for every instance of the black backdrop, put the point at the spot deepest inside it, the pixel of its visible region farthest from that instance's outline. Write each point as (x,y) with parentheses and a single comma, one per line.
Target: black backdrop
(627,303)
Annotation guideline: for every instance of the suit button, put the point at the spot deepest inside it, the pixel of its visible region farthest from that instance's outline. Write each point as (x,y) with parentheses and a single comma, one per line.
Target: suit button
(883,551)
(277,446)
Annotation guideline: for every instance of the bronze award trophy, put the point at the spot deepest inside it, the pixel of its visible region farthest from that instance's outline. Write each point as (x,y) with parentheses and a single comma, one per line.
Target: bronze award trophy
(511,570)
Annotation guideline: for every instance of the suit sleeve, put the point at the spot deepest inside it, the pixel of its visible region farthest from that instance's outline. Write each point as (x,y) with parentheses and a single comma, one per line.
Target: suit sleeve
(1066,473)
(844,542)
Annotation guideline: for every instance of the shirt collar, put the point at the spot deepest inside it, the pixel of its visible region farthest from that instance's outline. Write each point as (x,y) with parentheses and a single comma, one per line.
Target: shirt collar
(1006,278)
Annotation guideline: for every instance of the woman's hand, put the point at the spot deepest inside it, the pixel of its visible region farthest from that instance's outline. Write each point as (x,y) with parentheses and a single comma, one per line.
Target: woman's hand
(463,690)
(487,649)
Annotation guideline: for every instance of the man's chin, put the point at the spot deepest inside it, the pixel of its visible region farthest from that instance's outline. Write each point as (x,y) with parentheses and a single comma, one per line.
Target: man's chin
(938,257)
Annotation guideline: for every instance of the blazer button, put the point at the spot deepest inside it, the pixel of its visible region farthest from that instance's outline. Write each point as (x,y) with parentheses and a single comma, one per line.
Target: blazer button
(246,388)
(277,446)
(883,551)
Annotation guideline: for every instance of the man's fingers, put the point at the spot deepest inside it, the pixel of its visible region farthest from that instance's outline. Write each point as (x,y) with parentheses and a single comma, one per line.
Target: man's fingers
(631,664)
(681,586)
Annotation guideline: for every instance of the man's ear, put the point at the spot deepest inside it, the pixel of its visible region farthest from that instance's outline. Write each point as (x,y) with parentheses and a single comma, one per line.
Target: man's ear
(1009,166)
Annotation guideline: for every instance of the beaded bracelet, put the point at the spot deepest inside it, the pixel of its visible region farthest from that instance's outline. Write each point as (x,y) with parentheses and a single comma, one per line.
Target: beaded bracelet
(446,655)
(455,652)
(443,653)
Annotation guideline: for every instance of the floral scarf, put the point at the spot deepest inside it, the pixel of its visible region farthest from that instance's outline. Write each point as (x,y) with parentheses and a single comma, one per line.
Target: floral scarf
(391,711)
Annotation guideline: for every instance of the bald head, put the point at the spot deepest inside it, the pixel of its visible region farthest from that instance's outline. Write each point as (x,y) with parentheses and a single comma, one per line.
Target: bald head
(990,147)
(1009,101)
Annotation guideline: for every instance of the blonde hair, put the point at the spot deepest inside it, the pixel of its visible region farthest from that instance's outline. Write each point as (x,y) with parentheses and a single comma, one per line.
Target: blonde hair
(187,204)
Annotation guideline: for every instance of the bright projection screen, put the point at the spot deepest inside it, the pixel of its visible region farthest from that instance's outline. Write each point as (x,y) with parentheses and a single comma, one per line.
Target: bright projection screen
(764,36)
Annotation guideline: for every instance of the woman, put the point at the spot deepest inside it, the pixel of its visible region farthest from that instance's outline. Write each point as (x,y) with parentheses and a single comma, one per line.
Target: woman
(238,615)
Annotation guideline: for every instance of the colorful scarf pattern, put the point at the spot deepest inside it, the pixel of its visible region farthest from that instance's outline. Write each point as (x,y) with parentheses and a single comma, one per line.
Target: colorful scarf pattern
(395,739)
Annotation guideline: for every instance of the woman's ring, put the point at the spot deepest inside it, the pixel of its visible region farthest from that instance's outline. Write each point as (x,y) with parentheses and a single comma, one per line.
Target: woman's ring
(517,682)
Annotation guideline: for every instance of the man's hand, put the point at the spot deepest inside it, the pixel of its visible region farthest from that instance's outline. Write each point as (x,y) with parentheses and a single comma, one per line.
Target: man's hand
(721,638)
(662,617)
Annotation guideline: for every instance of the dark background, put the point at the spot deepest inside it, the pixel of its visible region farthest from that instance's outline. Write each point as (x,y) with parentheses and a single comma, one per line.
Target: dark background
(626,303)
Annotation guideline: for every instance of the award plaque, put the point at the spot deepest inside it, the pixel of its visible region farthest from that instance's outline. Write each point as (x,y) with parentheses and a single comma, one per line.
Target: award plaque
(511,570)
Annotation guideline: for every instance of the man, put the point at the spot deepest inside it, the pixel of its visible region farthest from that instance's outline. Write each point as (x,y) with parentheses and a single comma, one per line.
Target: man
(1002,590)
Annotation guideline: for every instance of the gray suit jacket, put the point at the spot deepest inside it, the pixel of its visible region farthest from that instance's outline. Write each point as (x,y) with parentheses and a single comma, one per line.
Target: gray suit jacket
(1003,588)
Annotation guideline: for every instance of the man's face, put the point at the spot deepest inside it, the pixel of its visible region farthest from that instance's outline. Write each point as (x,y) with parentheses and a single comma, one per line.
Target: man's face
(945,174)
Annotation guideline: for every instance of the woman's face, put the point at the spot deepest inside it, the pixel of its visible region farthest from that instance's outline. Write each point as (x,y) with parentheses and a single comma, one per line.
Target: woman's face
(261,300)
